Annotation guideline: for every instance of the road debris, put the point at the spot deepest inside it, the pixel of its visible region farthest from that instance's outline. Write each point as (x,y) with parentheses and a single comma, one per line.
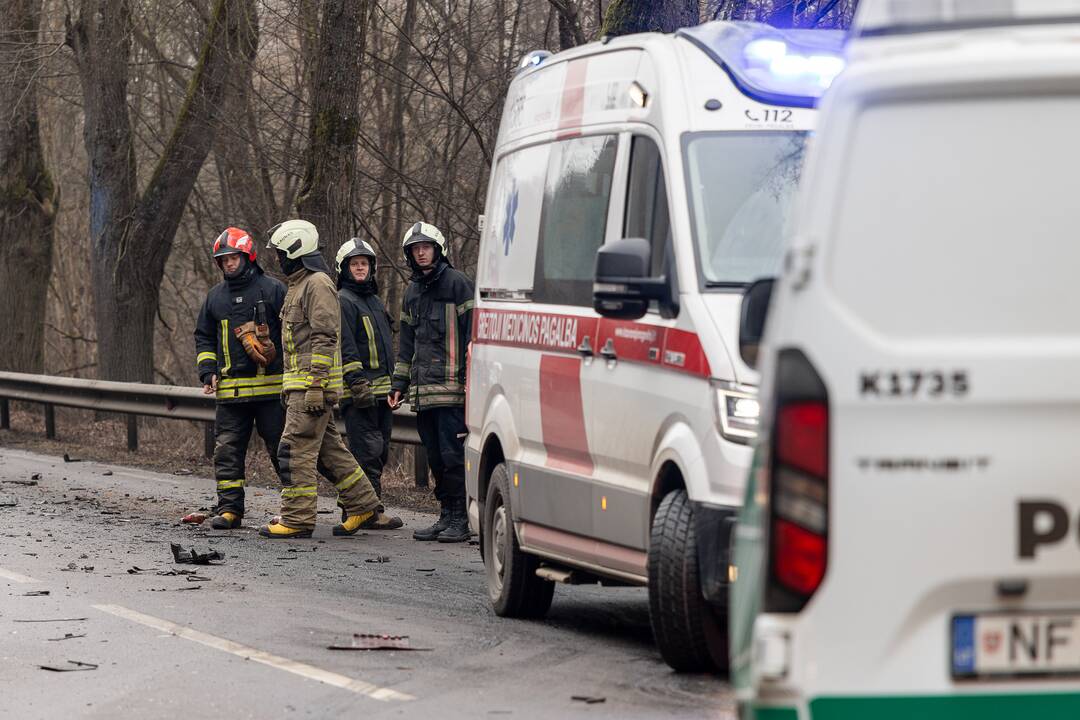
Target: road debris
(55,620)
(71,567)
(182,471)
(78,666)
(189,587)
(378,559)
(197,578)
(195,518)
(36,593)
(67,636)
(135,570)
(35,476)
(588,699)
(107,472)
(366,641)
(68,458)
(22,482)
(8,501)
(425,569)
(193,556)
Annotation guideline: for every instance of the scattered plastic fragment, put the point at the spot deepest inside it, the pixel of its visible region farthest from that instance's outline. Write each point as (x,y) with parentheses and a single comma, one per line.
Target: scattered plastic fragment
(21,482)
(80,619)
(35,476)
(379,559)
(182,471)
(67,636)
(78,666)
(588,699)
(68,458)
(197,578)
(193,556)
(36,593)
(8,501)
(195,518)
(107,472)
(365,641)
(425,569)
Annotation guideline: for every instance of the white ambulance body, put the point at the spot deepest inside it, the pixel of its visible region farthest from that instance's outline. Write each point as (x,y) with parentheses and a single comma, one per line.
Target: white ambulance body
(910,541)
(615,448)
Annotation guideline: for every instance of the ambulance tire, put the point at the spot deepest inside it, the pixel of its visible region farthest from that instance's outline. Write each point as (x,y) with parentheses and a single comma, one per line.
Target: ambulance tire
(513,586)
(688,631)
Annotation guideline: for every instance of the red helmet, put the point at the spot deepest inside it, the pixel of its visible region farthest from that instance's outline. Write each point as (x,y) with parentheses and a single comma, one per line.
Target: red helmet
(234,240)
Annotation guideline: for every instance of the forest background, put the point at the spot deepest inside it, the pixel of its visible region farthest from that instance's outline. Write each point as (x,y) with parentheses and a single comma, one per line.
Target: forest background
(132,132)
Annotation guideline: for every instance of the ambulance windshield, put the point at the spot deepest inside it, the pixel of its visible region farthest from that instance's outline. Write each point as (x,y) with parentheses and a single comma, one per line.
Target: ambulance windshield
(742,189)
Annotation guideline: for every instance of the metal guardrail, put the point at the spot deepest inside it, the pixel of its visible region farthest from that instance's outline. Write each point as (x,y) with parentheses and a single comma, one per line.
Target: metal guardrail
(165,401)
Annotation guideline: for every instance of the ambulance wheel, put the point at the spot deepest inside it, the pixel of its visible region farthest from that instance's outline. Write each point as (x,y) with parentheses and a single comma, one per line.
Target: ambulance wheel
(690,635)
(513,586)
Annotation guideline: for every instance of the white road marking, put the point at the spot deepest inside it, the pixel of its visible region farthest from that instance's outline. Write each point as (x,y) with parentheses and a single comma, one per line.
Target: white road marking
(16,577)
(297,668)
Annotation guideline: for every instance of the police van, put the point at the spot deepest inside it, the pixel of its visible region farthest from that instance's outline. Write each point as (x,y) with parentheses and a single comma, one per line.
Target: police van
(638,185)
(910,541)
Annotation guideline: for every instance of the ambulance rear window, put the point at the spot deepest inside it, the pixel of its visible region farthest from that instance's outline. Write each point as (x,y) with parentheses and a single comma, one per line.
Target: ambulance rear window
(742,189)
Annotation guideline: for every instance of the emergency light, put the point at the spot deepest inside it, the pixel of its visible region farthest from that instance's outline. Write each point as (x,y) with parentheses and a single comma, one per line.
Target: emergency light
(780,67)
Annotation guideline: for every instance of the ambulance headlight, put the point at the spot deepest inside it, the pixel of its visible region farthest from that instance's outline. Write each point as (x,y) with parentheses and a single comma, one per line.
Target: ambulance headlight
(737,411)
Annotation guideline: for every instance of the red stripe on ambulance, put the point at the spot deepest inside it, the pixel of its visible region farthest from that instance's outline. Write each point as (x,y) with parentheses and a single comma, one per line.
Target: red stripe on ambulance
(562,415)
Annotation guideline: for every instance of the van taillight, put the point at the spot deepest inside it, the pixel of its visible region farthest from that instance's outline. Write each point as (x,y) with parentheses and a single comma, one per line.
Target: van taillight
(799,485)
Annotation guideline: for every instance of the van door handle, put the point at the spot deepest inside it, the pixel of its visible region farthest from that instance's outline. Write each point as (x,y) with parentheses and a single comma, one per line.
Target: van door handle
(608,351)
(585,348)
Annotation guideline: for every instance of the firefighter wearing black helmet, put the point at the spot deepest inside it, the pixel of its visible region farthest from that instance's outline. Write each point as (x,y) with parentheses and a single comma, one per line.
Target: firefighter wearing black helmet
(367,356)
(436,324)
(238,338)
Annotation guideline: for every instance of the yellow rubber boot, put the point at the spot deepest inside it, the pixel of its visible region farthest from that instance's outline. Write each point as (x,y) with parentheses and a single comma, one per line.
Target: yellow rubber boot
(277,531)
(354,523)
(225,521)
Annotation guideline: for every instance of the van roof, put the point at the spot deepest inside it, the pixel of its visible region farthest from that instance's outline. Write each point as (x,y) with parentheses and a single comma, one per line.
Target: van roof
(899,17)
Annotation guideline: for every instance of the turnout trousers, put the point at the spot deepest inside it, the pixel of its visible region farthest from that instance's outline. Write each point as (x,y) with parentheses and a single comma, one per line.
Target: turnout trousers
(233,423)
(442,431)
(310,445)
(368,430)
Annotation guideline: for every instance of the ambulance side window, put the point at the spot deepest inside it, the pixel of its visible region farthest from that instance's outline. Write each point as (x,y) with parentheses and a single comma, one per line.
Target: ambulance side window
(646,201)
(574,218)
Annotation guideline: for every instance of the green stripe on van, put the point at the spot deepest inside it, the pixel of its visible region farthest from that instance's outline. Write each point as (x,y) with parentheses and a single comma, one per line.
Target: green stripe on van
(757,712)
(1044,706)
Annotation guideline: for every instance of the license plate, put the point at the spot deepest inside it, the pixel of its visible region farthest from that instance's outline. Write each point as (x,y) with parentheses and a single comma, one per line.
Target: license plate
(1000,645)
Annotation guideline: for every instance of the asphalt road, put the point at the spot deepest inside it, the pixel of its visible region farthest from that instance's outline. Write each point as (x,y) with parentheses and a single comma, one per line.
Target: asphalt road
(251,639)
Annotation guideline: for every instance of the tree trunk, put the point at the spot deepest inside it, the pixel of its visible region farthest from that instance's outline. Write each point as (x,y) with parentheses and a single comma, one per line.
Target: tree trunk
(132,235)
(325,197)
(624,17)
(28,197)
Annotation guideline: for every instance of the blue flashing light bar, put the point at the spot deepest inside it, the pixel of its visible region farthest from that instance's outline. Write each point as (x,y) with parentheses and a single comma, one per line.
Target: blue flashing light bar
(780,67)
(533,59)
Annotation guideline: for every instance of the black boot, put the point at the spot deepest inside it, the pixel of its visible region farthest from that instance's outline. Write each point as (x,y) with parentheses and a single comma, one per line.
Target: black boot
(432,531)
(457,530)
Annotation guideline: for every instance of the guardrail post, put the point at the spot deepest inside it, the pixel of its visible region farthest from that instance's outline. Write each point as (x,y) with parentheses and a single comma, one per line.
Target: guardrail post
(208,439)
(420,466)
(133,432)
(50,421)
(5,414)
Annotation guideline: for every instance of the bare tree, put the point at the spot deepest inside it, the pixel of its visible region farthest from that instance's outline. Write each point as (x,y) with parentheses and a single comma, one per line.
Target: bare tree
(132,233)
(326,194)
(28,197)
(624,17)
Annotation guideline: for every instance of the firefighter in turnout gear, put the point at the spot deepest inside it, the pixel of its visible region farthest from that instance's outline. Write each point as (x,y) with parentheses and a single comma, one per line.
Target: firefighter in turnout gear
(436,325)
(311,444)
(237,337)
(367,354)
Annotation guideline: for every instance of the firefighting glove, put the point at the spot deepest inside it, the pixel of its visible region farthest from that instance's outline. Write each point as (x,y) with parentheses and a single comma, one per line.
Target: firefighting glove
(246,335)
(314,401)
(262,332)
(362,394)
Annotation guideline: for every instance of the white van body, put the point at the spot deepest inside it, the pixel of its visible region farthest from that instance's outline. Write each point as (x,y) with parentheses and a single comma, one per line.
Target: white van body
(910,543)
(593,421)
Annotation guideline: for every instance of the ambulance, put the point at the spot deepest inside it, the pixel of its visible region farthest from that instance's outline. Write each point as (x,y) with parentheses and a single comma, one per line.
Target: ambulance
(639,184)
(909,546)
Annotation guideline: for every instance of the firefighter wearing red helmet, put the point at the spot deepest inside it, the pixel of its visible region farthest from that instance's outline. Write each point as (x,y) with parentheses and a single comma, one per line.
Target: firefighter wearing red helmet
(238,342)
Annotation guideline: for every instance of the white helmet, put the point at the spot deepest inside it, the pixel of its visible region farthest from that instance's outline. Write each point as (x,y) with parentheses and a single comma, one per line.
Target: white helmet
(295,238)
(353,248)
(423,232)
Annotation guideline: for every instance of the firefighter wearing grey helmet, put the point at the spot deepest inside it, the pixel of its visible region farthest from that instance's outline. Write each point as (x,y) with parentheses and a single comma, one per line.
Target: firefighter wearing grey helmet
(367,354)
(311,323)
(436,324)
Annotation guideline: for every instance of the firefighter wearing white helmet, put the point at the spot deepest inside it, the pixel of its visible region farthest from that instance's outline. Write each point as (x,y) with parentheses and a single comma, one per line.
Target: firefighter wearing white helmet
(311,322)
(367,355)
(436,324)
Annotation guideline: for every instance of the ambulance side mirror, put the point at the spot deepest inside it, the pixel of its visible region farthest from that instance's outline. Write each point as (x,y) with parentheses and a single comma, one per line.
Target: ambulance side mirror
(754,311)
(622,288)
